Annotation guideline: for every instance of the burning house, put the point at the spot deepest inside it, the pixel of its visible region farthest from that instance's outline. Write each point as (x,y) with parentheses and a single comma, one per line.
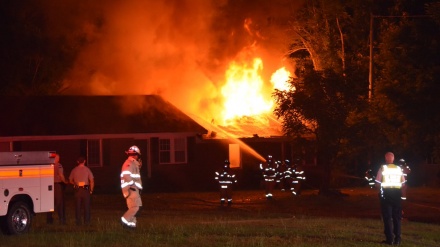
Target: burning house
(214,68)
(100,128)
(177,152)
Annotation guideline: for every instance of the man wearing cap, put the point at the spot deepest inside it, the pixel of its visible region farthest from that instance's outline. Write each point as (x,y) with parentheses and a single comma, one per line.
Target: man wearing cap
(131,184)
(83,184)
(390,178)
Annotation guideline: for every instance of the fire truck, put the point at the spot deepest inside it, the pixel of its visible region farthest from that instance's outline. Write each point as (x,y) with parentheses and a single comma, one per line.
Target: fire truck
(27,188)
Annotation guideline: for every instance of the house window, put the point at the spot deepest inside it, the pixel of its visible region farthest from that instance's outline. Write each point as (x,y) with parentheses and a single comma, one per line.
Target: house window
(165,151)
(172,151)
(234,155)
(94,148)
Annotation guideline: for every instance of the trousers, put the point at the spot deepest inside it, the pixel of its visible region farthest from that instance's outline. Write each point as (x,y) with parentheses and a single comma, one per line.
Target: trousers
(134,202)
(226,193)
(82,204)
(59,204)
(391,209)
(269,187)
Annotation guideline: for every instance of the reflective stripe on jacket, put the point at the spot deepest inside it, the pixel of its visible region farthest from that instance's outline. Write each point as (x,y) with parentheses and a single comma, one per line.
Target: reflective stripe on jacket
(224,177)
(130,176)
(270,171)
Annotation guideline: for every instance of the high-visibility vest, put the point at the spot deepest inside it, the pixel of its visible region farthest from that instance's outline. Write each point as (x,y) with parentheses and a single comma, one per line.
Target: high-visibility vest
(392,176)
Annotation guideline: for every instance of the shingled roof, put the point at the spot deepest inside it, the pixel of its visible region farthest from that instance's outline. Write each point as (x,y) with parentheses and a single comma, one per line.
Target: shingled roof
(82,115)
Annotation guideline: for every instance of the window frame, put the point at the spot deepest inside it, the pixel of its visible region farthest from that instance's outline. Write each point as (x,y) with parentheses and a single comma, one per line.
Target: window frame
(177,145)
(92,154)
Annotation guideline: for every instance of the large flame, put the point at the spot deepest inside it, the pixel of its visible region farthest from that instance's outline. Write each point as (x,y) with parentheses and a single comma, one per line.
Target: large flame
(244,91)
(280,79)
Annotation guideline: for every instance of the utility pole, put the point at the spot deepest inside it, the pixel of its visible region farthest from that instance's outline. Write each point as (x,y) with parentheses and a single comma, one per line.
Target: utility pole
(370,74)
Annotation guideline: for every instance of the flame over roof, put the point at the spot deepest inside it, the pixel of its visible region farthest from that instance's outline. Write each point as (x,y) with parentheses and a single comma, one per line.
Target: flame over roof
(178,49)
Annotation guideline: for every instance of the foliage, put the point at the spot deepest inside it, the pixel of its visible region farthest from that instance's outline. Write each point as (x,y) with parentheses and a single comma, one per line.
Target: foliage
(406,85)
(330,90)
(402,115)
(318,107)
(433,9)
(333,33)
(33,60)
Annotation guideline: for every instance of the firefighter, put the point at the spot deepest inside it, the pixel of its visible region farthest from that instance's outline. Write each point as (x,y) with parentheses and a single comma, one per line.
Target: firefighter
(370,177)
(83,184)
(406,170)
(298,177)
(287,175)
(131,185)
(270,171)
(390,179)
(225,180)
(281,181)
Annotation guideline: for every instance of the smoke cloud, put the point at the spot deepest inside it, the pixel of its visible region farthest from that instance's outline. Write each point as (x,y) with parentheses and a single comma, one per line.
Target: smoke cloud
(179,49)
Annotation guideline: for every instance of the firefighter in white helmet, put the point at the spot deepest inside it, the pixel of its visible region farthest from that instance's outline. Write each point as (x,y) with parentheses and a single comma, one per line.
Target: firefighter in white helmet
(131,184)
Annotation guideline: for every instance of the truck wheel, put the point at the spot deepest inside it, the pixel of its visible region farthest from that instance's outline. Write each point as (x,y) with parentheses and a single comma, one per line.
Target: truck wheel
(19,218)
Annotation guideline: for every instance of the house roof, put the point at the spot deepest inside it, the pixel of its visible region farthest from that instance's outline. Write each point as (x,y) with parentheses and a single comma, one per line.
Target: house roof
(83,115)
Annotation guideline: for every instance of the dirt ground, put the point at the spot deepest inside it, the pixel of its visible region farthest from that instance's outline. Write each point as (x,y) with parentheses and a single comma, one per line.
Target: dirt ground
(422,205)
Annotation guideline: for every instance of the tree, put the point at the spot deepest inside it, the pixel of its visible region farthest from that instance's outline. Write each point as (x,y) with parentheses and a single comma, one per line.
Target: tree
(331,87)
(318,107)
(402,115)
(32,59)
(406,92)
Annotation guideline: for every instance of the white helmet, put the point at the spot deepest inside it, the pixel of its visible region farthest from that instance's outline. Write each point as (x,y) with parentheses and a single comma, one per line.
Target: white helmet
(133,150)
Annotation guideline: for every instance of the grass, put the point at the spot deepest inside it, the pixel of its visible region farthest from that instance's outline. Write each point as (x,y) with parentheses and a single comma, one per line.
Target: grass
(195,219)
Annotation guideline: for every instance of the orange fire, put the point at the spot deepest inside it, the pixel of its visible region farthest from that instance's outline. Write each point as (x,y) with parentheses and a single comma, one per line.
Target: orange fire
(244,90)
(280,79)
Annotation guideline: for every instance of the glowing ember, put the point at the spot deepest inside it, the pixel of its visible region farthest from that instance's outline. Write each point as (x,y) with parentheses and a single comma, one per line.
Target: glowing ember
(243,91)
(280,79)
